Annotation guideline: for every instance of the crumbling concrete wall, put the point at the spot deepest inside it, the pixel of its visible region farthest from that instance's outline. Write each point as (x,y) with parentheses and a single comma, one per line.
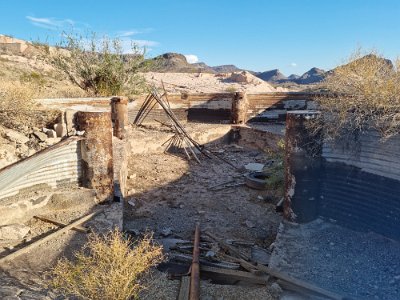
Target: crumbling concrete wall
(249,137)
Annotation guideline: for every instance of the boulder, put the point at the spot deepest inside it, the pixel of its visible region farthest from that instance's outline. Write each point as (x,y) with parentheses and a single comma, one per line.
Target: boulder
(40,135)
(15,136)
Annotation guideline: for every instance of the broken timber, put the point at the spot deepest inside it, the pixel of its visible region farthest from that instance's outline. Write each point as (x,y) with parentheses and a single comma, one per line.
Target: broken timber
(55,222)
(49,237)
(195,268)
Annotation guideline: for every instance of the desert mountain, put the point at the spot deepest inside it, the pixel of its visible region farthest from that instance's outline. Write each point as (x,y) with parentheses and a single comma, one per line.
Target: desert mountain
(274,76)
(314,75)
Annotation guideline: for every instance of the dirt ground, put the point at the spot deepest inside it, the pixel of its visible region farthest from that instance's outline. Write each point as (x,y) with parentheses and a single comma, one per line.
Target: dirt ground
(168,195)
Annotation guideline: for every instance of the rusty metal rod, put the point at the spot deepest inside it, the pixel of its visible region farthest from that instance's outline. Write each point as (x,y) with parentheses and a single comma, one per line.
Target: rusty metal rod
(194,293)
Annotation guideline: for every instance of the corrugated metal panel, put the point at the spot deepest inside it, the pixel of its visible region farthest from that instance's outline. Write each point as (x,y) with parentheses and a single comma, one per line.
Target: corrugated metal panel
(361,200)
(59,163)
(368,153)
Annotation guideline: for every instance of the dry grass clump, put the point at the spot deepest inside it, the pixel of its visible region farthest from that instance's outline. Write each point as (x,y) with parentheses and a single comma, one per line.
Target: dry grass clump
(109,267)
(363,94)
(16,102)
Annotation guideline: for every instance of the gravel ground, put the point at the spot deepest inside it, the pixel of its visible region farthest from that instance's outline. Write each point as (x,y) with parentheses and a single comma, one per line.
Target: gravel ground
(161,288)
(357,264)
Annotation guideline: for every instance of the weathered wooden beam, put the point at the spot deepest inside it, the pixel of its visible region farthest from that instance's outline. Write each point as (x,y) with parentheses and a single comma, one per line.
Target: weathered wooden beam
(55,222)
(234,274)
(184,288)
(300,284)
(47,238)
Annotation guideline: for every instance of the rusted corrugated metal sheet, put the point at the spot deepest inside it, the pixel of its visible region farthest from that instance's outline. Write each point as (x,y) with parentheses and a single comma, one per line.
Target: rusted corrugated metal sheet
(55,166)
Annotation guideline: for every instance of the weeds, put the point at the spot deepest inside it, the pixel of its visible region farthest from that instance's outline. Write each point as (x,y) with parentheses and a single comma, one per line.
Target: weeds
(109,267)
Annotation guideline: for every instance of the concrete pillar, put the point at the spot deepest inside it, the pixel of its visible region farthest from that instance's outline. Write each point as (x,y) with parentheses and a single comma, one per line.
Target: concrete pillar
(239,108)
(97,154)
(119,116)
(302,167)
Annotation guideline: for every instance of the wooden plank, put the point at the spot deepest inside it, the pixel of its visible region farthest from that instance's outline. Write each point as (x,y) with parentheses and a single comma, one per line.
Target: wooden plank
(227,247)
(299,283)
(184,289)
(234,274)
(49,237)
(55,222)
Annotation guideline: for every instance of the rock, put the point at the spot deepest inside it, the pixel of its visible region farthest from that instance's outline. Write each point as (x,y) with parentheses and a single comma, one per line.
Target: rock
(60,129)
(276,289)
(10,291)
(51,133)
(249,224)
(13,232)
(259,255)
(254,167)
(52,141)
(15,136)
(40,135)
(166,231)
(210,254)
(7,155)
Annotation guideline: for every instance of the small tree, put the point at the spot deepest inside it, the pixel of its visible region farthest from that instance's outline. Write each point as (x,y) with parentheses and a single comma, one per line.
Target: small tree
(100,66)
(361,94)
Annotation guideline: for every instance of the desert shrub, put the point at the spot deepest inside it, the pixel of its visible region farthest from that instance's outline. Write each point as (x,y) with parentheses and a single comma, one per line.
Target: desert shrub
(109,267)
(231,89)
(33,77)
(19,110)
(16,102)
(100,66)
(362,94)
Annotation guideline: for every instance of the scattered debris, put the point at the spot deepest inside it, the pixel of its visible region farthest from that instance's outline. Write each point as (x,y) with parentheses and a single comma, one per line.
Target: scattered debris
(256,180)
(166,231)
(254,167)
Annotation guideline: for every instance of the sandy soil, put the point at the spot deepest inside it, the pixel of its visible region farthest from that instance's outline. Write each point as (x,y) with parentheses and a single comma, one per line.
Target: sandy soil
(209,83)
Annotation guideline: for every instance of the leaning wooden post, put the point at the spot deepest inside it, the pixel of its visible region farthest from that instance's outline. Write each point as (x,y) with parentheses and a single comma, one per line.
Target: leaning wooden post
(303,150)
(239,108)
(119,116)
(97,155)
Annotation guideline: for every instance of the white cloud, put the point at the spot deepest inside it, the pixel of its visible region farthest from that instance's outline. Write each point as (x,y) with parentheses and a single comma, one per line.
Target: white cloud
(127,33)
(293,64)
(131,32)
(50,23)
(191,58)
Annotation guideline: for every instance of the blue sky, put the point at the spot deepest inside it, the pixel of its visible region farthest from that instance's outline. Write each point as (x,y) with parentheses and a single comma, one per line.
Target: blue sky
(292,35)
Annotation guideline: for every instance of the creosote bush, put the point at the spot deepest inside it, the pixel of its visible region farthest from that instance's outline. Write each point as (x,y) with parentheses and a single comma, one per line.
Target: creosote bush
(109,267)
(361,95)
(100,66)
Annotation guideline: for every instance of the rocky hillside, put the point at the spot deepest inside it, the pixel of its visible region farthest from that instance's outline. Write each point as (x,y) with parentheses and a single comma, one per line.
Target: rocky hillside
(312,76)
(274,76)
